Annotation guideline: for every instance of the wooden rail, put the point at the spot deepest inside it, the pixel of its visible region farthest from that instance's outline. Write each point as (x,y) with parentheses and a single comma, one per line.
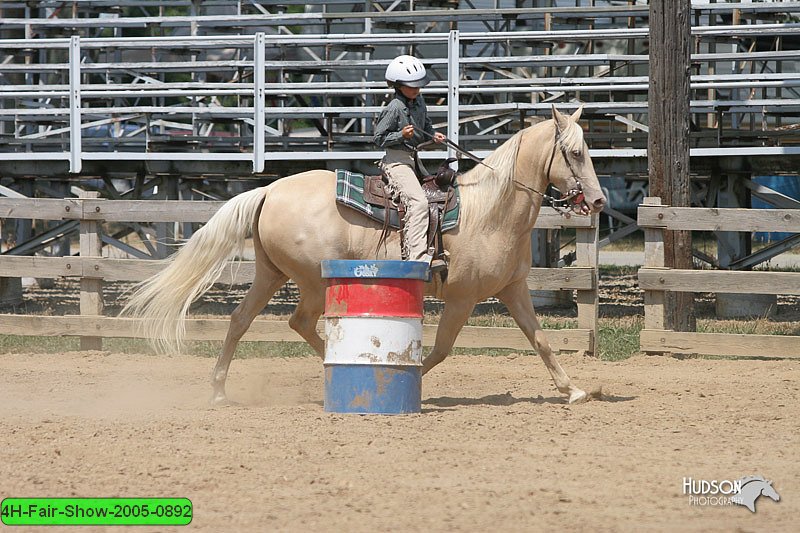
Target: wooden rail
(93,270)
(656,279)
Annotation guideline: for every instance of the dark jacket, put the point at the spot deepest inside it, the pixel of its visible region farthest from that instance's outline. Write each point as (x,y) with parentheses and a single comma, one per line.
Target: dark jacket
(399,113)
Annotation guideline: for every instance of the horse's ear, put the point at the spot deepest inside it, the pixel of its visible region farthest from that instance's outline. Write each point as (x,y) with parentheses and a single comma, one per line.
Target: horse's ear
(559,118)
(576,116)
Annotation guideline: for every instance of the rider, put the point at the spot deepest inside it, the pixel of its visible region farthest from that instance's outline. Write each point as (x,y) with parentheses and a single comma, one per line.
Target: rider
(400,130)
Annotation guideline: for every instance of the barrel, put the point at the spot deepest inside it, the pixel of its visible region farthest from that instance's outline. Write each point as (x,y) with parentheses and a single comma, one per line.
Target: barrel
(373,330)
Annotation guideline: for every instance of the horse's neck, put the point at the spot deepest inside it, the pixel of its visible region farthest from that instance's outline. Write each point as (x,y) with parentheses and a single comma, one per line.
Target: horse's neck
(489,206)
(503,198)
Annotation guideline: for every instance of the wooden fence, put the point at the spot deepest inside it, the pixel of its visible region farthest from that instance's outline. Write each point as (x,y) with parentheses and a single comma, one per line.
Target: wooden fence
(93,270)
(656,280)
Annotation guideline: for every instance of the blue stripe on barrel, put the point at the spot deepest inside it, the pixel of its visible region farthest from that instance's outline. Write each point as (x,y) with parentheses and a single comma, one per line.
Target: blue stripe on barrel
(361,268)
(373,389)
(373,359)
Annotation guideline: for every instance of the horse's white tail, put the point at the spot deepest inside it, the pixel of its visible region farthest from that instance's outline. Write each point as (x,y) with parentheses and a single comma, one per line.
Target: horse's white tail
(163,301)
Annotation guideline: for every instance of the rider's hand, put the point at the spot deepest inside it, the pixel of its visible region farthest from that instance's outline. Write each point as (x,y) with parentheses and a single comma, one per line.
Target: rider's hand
(439,137)
(407,131)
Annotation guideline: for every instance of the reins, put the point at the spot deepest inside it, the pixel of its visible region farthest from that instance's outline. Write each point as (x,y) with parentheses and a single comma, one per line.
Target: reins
(455,147)
(562,205)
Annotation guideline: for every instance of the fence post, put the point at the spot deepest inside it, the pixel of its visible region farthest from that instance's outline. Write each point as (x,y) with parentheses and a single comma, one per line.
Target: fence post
(668,158)
(91,287)
(75,148)
(654,312)
(453,81)
(259,101)
(586,253)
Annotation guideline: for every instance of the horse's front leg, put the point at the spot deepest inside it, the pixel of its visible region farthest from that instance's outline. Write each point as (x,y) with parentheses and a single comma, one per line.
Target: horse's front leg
(517,299)
(454,316)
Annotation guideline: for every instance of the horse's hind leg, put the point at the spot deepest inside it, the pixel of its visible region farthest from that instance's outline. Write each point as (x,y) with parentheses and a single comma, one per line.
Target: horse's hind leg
(518,301)
(305,317)
(453,318)
(268,279)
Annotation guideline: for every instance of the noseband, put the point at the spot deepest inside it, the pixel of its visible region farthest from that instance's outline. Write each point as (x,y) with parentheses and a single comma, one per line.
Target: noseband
(573,196)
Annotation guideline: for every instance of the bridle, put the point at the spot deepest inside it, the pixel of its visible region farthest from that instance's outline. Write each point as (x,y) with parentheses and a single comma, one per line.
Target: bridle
(564,204)
(574,196)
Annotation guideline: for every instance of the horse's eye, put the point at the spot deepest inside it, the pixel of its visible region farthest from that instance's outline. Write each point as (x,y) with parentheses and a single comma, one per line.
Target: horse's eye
(577,153)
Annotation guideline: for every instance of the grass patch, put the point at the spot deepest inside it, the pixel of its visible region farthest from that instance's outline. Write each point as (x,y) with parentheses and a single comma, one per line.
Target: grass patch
(756,326)
(20,344)
(245,350)
(250,349)
(619,337)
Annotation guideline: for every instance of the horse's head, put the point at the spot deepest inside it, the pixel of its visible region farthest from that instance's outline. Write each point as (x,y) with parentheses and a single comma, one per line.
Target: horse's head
(769,491)
(569,167)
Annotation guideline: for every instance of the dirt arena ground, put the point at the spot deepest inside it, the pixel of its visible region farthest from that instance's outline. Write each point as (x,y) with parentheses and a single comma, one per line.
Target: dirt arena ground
(495,449)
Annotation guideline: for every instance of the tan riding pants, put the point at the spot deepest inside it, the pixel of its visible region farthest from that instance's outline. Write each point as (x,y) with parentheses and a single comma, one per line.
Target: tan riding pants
(399,167)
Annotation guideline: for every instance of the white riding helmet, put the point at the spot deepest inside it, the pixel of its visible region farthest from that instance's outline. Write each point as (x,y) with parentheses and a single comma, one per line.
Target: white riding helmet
(408,71)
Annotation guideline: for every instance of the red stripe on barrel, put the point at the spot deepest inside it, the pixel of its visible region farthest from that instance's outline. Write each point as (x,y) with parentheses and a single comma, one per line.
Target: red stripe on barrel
(374,297)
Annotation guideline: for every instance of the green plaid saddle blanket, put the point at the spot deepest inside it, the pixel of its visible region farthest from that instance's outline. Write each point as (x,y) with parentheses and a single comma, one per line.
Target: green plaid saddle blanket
(350,193)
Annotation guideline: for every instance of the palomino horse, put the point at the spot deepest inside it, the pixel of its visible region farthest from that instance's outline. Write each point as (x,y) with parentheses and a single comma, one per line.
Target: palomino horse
(296,223)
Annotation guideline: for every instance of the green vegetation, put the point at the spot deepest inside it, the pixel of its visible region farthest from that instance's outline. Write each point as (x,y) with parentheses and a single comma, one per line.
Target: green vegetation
(618,338)
(245,350)
(18,344)
(759,326)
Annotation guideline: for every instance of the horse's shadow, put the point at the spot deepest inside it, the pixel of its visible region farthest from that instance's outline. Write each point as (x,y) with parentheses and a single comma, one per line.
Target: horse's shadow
(507,399)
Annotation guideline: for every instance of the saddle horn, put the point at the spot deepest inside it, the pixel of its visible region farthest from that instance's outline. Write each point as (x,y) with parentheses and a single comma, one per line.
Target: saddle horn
(446,176)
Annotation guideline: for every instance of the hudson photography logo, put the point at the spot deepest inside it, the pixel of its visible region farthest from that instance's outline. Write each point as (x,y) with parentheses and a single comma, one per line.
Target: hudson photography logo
(719,493)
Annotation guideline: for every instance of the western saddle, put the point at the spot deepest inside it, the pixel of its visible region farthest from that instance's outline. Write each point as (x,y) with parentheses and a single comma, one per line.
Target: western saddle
(440,190)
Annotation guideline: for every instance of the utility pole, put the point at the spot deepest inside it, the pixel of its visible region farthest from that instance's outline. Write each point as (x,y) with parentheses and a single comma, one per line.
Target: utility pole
(668,140)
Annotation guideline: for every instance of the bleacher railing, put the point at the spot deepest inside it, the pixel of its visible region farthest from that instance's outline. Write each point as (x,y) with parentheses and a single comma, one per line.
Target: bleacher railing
(182,115)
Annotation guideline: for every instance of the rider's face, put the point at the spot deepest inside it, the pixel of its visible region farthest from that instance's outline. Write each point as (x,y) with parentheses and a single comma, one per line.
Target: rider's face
(409,92)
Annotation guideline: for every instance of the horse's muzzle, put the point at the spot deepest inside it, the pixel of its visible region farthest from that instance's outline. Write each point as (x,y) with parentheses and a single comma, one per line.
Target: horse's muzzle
(582,205)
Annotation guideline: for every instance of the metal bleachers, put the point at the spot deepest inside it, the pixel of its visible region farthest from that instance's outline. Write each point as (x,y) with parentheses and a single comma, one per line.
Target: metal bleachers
(255,87)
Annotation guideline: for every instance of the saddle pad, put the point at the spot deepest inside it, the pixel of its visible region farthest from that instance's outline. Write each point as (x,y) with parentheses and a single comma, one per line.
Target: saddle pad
(350,193)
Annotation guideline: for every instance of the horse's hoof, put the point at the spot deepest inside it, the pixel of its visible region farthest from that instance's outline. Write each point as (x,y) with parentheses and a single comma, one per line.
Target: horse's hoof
(578,396)
(218,399)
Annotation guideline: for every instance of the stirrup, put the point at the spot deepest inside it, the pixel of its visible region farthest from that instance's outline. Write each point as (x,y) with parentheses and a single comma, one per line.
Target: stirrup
(438,265)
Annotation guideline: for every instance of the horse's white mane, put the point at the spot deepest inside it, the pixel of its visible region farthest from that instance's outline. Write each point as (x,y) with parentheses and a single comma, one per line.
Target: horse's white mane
(484,190)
